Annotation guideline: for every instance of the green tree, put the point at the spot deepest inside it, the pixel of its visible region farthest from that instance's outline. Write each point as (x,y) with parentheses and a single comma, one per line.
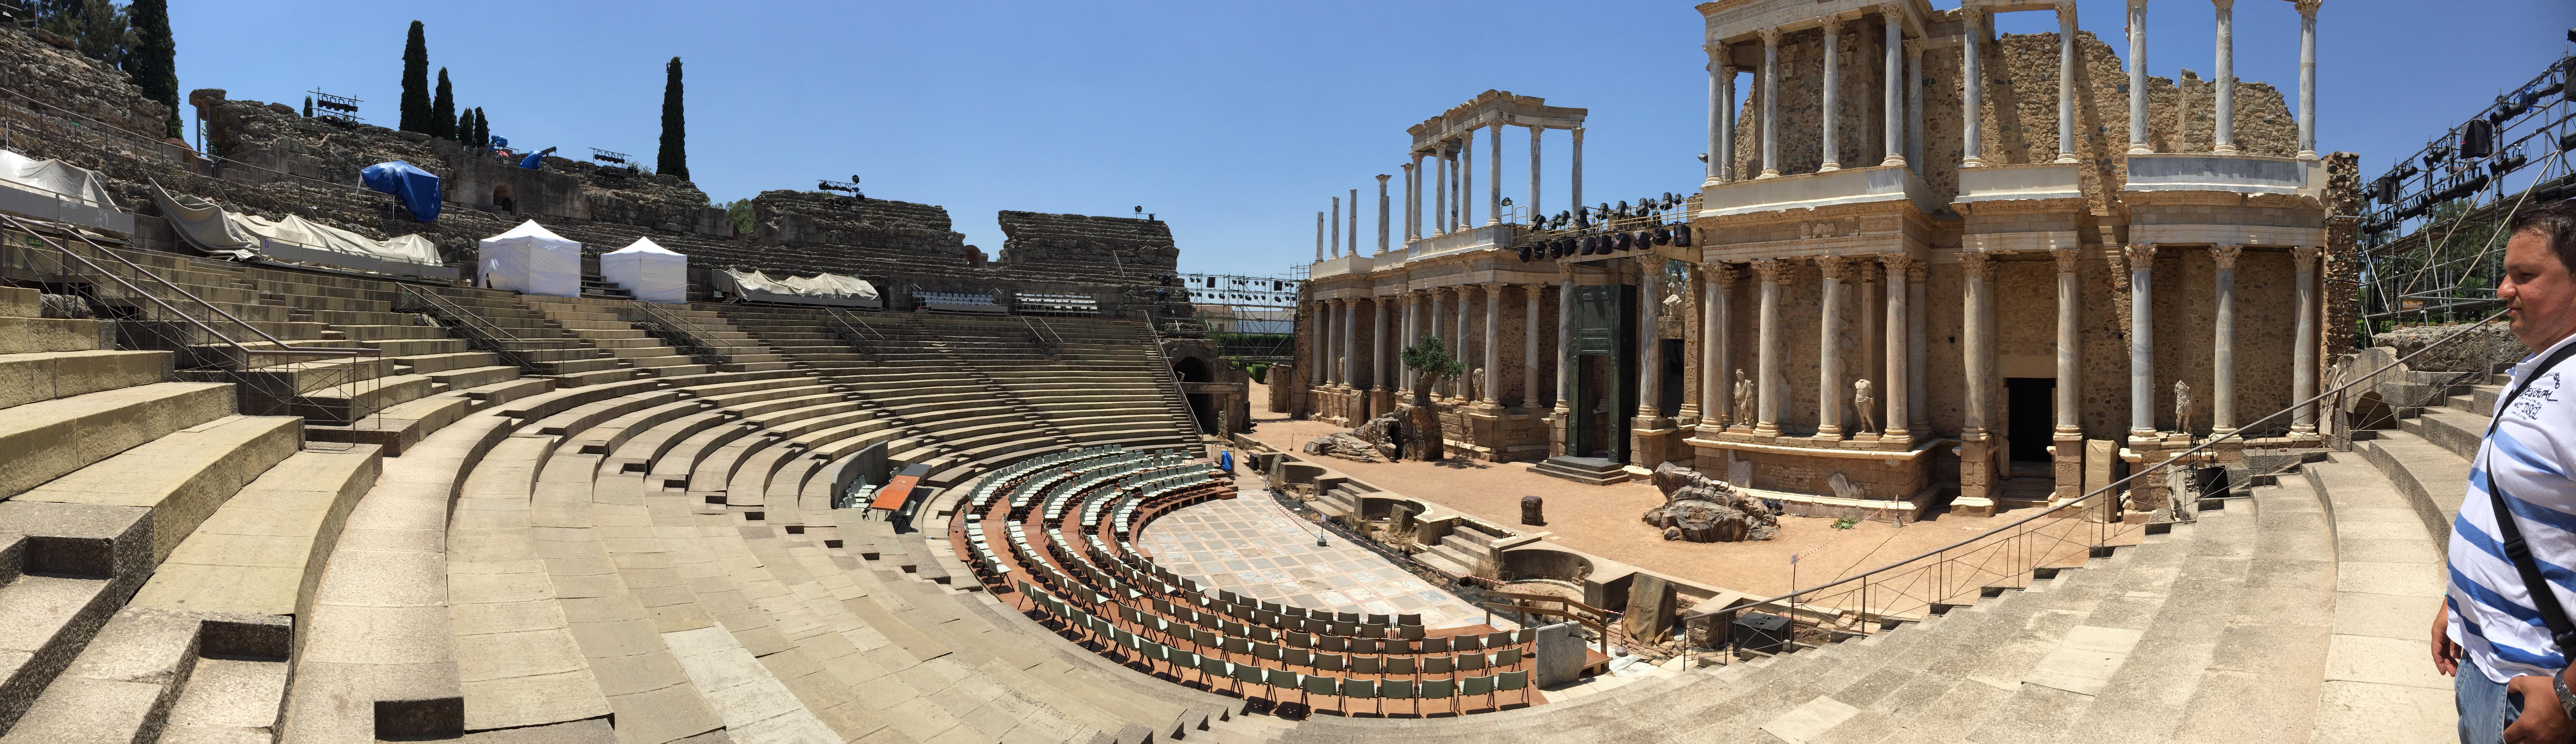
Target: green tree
(743,216)
(308,107)
(153,57)
(102,32)
(674,158)
(415,82)
(482,129)
(442,110)
(1431,365)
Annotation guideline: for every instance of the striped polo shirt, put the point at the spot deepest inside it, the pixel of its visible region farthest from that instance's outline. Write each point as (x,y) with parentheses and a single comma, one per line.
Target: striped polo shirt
(2532,454)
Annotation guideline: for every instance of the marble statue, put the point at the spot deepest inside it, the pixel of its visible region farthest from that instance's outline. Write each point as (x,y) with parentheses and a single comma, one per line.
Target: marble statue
(1860,405)
(1744,399)
(1475,392)
(2182,407)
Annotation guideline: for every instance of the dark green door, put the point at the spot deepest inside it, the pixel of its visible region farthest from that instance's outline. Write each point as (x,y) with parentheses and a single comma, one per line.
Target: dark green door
(1603,350)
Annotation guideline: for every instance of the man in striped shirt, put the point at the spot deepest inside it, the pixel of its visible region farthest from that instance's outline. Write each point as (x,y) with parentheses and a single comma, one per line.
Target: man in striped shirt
(2505,688)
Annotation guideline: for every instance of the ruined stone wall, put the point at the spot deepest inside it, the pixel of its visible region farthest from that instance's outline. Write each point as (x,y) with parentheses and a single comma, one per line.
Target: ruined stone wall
(2340,276)
(1106,249)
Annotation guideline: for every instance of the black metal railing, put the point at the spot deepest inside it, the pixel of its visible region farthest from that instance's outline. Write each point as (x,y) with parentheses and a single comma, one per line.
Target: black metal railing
(678,332)
(480,333)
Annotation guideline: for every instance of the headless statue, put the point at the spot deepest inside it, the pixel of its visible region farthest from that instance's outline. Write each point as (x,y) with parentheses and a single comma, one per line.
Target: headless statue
(1860,405)
(2182,407)
(1744,399)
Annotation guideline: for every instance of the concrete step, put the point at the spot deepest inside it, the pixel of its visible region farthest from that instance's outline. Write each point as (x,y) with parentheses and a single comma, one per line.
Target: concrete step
(47,375)
(44,440)
(2433,477)
(182,477)
(19,335)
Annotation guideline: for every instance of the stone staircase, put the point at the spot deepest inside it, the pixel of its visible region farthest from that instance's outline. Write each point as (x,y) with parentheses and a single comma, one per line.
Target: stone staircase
(2427,456)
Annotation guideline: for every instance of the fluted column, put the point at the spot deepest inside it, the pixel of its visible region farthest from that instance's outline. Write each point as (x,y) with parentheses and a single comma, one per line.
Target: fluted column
(1914,104)
(1564,331)
(1378,339)
(1916,351)
(1869,331)
(1354,245)
(1829,354)
(1439,193)
(1350,342)
(1718,103)
(1412,320)
(1319,237)
(1383,213)
(2142,336)
(1431,329)
(1337,227)
(1650,350)
(1898,403)
(2070,342)
(1466,177)
(1413,199)
(1724,149)
(2066,81)
(2222,360)
(1494,177)
(1529,343)
(1717,358)
(1980,342)
(2308,78)
(1770,103)
(1832,92)
(1487,394)
(1574,191)
(2138,76)
(1535,214)
(1466,336)
(1767,386)
(2223,118)
(2303,359)
(1318,372)
(1972,114)
(1892,46)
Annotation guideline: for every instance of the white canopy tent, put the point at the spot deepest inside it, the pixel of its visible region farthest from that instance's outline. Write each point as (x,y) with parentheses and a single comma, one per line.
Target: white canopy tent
(650,272)
(531,259)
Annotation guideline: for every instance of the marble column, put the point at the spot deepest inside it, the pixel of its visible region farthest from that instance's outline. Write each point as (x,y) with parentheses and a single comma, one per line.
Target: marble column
(1650,350)
(1405,338)
(1413,199)
(1319,237)
(2222,360)
(1717,358)
(1535,214)
(2142,346)
(1564,334)
(1830,105)
(1899,404)
(1718,103)
(2303,358)
(1431,329)
(1892,46)
(2138,77)
(1349,315)
(1723,150)
(1979,343)
(1337,226)
(1324,343)
(1767,385)
(1529,343)
(1439,193)
(1770,103)
(1869,330)
(1915,348)
(1466,312)
(1383,214)
(1972,114)
(2307,78)
(1494,176)
(2223,115)
(2070,344)
(2066,81)
(1829,353)
(1914,104)
(1574,190)
(1486,393)
(1378,339)
(1466,178)
(1354,245)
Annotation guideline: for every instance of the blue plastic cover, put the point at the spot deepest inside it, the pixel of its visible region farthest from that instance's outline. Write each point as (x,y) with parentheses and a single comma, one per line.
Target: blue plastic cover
(533,160)
(417,189)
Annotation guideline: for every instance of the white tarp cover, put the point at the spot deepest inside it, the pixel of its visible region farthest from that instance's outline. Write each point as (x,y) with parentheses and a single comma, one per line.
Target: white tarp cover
(70,181)
(828,289)
(212,229)
(650,272)
(531,259)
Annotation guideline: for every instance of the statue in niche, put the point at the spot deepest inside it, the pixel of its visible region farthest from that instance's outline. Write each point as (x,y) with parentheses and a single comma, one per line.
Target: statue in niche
(1744,395)
(1860,405)
(2182,407)
(1476,385)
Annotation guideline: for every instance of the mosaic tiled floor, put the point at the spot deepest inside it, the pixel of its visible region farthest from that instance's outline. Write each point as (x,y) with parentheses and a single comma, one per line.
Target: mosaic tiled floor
(1255,548)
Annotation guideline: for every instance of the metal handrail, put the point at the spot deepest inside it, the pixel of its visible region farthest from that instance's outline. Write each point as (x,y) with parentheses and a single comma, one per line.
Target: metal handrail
(1180,387)
(842,317)
(282,348)
(692,343)
(1790,599)
(466,320)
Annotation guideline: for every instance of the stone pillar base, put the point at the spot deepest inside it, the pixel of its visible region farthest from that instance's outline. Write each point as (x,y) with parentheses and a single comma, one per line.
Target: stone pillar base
(2066,454)
(2150,491)
(1381,402)
(1649,447)
(1976,475)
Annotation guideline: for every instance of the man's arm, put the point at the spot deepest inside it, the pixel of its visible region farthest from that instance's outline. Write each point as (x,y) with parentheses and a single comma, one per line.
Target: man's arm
(2446,655)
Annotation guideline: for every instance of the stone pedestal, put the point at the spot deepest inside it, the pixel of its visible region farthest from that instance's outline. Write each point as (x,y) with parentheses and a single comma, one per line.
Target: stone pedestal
(1649,447)
(1380,402)
(2151,491)
(2066,453)
(1558,655)
(1976,477)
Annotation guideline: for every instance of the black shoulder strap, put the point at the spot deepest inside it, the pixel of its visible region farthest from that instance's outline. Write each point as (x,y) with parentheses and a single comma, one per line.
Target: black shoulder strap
(2542,598)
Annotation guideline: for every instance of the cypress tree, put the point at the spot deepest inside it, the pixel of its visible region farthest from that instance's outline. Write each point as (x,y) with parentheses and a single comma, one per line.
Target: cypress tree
(308,107)
(415,82)
(674,159)
(442,109)
(154,59)
(482,129)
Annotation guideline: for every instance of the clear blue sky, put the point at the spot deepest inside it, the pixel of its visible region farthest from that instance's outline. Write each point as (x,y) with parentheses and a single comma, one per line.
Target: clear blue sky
(1233,121)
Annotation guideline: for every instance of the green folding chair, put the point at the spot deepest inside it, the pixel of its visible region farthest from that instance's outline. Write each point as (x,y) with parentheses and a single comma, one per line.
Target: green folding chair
(1266,651)
(1512,681)
(1482,684)
(1399,665)
(1435,645)
(1238,646)
(1317,684)
(1282,679)
(1212,669)
(1297,657)
(1440,665)
(1510,656)
(1332,662)
(1357,689)
(1393,689)
(1440,689)
(1247,674)
(1367,664)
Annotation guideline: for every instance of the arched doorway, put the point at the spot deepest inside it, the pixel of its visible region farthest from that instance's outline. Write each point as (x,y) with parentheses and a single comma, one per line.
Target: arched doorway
(505,198)
(1203,406)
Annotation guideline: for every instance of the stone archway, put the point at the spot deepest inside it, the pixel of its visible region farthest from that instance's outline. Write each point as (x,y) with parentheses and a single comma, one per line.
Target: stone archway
(505,198)
(1203,406)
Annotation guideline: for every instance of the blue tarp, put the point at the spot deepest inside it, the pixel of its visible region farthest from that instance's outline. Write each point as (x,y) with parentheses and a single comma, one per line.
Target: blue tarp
(417,189)
(533,160)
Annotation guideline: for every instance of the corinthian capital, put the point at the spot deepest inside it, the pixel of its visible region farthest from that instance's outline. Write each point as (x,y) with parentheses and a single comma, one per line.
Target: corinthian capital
(1767,271)
(2226,255)
(1979,266)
